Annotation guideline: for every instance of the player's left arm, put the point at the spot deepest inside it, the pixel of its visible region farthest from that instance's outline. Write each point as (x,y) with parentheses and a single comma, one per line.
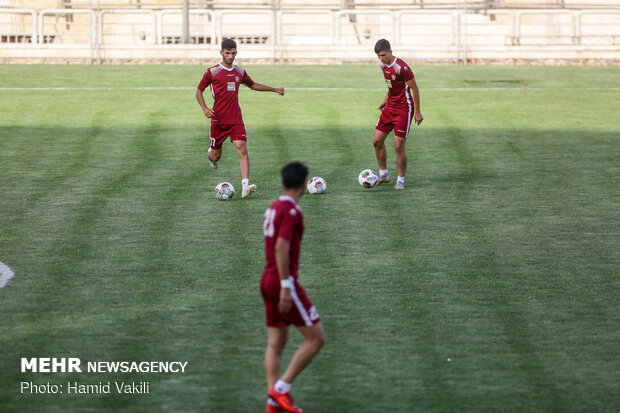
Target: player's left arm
(264,88)
(282,250)
(416,100)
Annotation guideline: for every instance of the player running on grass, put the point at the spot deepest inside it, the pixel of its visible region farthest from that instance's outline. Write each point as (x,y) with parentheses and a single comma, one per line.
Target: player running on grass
(226,119)
(398,109)
(285,300)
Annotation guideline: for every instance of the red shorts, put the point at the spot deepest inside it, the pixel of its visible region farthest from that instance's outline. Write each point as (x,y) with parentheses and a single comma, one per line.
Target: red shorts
(218,133)
(397,119)
(302,313)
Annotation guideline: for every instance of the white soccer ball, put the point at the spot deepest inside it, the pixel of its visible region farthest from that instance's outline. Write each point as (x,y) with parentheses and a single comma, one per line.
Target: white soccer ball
(316,185)
(224,191)
(368,178)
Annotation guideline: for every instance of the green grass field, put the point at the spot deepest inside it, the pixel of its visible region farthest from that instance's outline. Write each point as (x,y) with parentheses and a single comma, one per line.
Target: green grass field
(491,283)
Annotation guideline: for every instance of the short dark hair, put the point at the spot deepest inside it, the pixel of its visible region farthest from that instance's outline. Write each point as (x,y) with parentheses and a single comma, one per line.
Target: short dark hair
(382,45)
(228,44)
(294,175)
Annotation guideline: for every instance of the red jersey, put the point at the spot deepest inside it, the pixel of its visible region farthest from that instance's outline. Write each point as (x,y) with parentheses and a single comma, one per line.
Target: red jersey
(283,219)
(396,76)
(225,90)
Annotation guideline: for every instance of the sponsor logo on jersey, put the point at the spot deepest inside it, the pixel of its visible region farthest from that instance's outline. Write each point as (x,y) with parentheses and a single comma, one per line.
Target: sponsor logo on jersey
(389,83)
(231,86)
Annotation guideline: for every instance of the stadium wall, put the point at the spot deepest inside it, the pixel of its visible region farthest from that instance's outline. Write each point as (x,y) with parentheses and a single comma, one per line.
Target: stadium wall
(310,35)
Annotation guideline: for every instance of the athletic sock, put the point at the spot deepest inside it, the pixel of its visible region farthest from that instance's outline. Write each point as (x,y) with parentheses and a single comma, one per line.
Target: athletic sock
(282,387)
(245,182)
(401,179)
(383,172)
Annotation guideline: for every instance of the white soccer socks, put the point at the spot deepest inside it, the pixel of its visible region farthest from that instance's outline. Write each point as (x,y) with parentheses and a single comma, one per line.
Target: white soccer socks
(282,386)
(247,188)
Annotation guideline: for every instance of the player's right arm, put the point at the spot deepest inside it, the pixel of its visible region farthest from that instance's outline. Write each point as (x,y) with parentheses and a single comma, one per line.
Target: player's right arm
(206,80)
(282,249)
(201,101)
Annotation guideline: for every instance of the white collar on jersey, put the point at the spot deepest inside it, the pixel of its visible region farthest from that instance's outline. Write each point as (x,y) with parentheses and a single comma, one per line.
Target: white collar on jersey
(288,198)
(225,68)
(395,59)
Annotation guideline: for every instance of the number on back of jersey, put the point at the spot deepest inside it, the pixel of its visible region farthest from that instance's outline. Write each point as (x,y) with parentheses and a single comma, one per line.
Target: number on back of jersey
(268,225)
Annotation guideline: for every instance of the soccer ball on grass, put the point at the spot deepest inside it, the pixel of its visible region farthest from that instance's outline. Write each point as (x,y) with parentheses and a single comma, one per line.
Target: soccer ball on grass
(316,185)
(224,191)
(368,178)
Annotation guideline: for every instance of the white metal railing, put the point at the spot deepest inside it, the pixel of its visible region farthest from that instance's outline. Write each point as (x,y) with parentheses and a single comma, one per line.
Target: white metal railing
(615,36)
(329,32)
(517,27)
(31,12)
(453,16)
(63,12)
(253,13)
(193,12)
(149,13)
(354,12)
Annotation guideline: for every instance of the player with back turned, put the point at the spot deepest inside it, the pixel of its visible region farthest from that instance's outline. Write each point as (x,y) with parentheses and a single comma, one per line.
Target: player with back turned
(398,109)
(226,119)
(285,299)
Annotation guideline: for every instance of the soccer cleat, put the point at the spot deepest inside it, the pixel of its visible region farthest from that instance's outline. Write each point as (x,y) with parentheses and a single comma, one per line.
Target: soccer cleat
(248,190)
(284,400)
(273,409)
(399,185)
(384,179)
(214,165)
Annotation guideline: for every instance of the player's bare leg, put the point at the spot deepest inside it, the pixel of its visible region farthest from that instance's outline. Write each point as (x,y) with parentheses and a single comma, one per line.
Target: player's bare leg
(401,161)
(244,166)
(379,142)
(313,343)
(276,340)
(214,156)
(314,340)
(244,159)
(381,152)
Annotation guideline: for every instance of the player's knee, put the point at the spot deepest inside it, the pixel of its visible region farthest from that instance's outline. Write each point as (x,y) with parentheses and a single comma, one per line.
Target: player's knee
(400,146)
(243,151)
(277,345)
(320,342)
(317,340)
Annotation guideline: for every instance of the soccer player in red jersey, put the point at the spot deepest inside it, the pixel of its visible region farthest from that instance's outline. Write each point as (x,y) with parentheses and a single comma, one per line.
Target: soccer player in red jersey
(285,300)
(226,119)
(398,109)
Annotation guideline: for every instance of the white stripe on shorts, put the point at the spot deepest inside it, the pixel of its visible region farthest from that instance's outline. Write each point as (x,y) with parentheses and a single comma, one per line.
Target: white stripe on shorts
(299,304)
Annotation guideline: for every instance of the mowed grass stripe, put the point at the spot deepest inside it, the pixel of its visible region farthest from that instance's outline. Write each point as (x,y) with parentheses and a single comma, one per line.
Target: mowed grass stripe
(497,305)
